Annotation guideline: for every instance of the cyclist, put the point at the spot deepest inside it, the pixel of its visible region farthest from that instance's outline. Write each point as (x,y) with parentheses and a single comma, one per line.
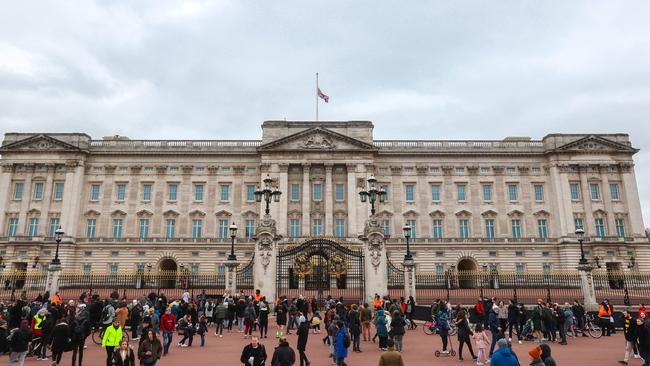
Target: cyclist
(111,339)
(108,315)
(38,321)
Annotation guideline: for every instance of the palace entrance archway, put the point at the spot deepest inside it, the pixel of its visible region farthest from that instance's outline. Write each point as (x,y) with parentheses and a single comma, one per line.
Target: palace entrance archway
(467,273)
(167,269)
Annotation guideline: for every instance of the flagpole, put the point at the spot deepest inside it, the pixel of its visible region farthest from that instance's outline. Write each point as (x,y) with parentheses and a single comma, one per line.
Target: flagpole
(316,97)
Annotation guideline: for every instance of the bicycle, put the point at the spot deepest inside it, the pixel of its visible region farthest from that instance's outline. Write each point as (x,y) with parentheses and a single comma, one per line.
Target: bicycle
(97,334)
(592,327)
(35,346)
(430,328)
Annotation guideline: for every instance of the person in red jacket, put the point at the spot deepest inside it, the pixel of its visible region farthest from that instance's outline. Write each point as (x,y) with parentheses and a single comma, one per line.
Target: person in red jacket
(480,310)
(167,326)
(38,321)
(642,310)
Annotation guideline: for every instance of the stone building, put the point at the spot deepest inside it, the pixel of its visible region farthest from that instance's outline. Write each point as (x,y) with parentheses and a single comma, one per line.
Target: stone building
(511,204)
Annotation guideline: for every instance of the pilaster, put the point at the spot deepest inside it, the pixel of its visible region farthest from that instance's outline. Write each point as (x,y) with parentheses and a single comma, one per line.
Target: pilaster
(329,202)
(306,200)
(376,276)
(6,194)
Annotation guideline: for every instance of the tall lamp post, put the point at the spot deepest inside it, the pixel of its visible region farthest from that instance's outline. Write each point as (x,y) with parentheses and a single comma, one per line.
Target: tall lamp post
(407,235)
(233,235)
(267,193)
(58,236)
(581,237)
(373,194)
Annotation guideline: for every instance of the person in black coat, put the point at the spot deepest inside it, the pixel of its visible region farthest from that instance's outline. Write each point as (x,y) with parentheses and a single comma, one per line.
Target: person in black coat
(20,338)
(79,331)
(124,355)
(643,337)
(303,334)
(254,354)
(464,334)
(283,354)
(60,340)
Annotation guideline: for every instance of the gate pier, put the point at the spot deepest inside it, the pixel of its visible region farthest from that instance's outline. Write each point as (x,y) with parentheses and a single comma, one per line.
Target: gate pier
(376,276)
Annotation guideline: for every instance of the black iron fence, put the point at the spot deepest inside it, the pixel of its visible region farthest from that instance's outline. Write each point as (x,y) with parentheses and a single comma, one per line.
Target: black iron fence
(395,273)
(623,288)
(22,284)
(245,276)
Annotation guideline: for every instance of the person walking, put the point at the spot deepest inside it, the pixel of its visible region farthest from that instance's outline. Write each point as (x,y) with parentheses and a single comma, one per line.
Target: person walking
(124,356)
(342,344)
(18,340)
(202,329)
(150,349)
(381,326)
(186,328)
(354,323)
(60,340)
(410,310)
(391,357)
(283,355)
(397,331)
(643,337)
(281,318)
(443,328)
(493,322)
(39,321)
(263,318)
(464,334)
(482,340)
(249,319)
(219,318)
(365,316)
(111,339)
(80,331)
(536,357)
(504,355)
(167,326)
(630,332)
(253,354)
(513,320)
(303,334)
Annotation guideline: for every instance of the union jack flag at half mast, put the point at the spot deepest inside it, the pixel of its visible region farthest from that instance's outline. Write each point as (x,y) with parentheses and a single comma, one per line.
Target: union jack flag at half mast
(322,96)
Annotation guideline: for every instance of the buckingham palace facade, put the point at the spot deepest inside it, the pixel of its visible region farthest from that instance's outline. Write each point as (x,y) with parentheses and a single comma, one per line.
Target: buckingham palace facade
(511,204)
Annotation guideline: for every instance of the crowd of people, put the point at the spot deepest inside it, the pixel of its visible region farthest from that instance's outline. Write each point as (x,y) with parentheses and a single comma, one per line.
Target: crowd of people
(50,324)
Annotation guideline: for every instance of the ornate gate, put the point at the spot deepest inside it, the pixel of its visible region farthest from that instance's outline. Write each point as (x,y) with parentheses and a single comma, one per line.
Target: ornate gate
(318,268)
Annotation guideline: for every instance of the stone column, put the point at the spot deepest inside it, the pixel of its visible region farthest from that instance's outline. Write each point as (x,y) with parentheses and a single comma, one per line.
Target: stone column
(409,278)
(587,286)
(352,199)
(231,276)
(52,281)
(585,193)
(606,196)
(631,196)
(265,262)
(44,224)
(329,202)
(375,260)
(7,196)
(306,201)
(283,205)
(72,196)
(28,193)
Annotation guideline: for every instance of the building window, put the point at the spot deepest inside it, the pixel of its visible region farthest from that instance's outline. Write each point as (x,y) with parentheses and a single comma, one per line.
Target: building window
(194,268)
(600,227)
(440,269)
(225,192)
(120,193)
(413,225)
(385,189)
(91,228)
(489,229)
(250,192)
(144,228)
(578,223)
(520,268)
(317,193)
(294,228)
(539,192)
(385,225)
(295,192)
(542,228)
(172,192)
(88,253)
(613,190)
(437,229)
(12,228)
(18,191)
(440,254)
(512,192)
(54,225)
(340,192)
(113,268)
(492,254)
(115,254)
(195,254)
(197,225)
(223,228)
(460,192)
(546,254)
(463,228)
(316,227)
(487,192)
(460,170)
(146,192)
(33,227)
(409,192)
(519,253)
(516,228)
(435,193)
(58,191)
(250,228)
(340,228)
(546,267)
(485,169)
(198,192)
(94,192)
(575,191)
(595,191)
(117,228)
(38,191)
(620,227)
(170,228)
(87,267)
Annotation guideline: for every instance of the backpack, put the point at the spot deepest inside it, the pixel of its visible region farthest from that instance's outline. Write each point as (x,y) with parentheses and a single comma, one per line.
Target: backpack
(78,327)
(346,340)
(105,313)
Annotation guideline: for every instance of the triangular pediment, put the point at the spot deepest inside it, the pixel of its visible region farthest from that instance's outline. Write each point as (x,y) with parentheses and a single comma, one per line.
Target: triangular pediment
(594,144)
(40,142)
(317,139)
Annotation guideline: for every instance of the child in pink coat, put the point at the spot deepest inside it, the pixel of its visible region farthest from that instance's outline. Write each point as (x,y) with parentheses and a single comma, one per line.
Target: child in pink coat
(482,343)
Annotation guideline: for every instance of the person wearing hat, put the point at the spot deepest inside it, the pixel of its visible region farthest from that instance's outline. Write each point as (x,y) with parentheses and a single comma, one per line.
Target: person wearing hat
(283,354)
(536,356)
(504,356)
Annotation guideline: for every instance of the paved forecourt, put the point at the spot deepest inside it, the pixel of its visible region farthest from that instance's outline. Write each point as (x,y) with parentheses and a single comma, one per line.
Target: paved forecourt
(418,350)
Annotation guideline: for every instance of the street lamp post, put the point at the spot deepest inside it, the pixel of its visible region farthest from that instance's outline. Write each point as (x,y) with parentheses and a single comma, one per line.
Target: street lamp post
(267,193)
(233,235)
(407,235)
(581,237)
(58,236)
(372,194)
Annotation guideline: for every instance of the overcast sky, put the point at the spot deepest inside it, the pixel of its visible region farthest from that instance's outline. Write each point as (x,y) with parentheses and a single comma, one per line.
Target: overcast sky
(417,69)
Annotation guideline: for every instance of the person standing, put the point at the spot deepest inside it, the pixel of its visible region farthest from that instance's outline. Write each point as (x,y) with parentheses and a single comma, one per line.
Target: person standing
(354,322)
(112,338)
(391,357)
(150,349)
(604,314)
(249,319)
(186,327)
(303,334)
(124,355)
(513,320)
(536,357)
(80,331)
(202,329)
(283,354)
(579,314)
(397,330)
(365,317)
(410,310)
(545,355)
(381,326)
(167,325)
(263,318)
(504,355)
(219,318)
(464,334)
(60,340)
(39,321)
(629,330)
(254,354)
(643,336)
(19,339)
(342,344)
(481,338)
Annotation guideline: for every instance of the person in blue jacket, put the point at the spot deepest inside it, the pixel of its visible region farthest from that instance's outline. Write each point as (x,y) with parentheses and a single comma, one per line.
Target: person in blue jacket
(504,356)
(493,322)
(341,347)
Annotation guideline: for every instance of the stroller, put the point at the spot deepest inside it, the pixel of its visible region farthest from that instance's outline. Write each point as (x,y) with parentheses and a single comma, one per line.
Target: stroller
(450,349)
(527,331)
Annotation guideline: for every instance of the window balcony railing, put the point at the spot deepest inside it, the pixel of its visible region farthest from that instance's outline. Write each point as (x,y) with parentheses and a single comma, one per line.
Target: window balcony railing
(162,240)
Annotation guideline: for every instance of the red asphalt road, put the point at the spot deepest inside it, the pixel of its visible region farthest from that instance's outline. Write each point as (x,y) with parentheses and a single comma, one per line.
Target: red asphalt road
(418,350)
